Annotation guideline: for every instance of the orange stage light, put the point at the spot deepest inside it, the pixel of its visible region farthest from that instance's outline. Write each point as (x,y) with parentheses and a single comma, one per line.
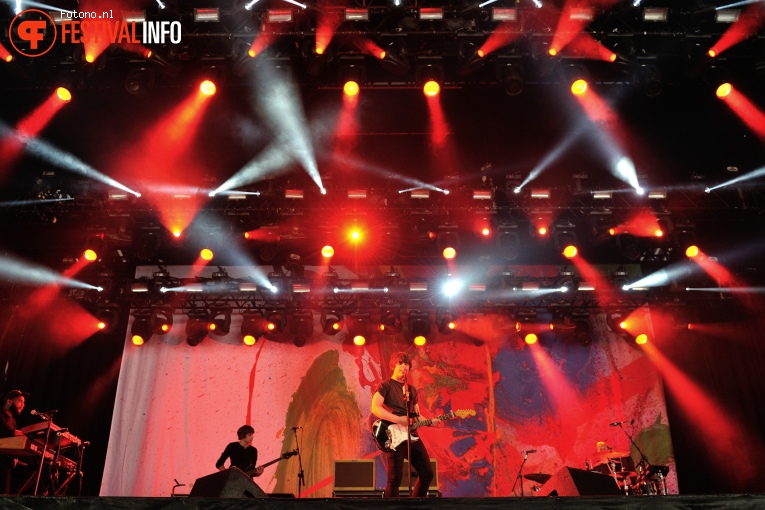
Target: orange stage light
(359,340)
(579,87)
(8,57)
(327,252)
(101,325)
(431,88)
(248,340)
(420,340)
(641,339)
(355,235)
(165,328)
(612,57)
(90,255)
(137,340)
(351,88)
(206,254)
(692,251)
(712,53)
(623,324)
(64,94)
(485,231)
(207,88)
(570,251)
(530,339)
(176,233)
(552,52)
(480,53)
(724,90)
(449,253)
(542,231)
(381,55)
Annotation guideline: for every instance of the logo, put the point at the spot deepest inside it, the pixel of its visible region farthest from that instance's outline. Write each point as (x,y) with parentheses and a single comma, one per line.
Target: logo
(30,31)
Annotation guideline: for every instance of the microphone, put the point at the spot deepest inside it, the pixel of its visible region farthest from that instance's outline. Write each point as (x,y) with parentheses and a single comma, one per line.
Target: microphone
(530,451)
(295,428)
(43,414)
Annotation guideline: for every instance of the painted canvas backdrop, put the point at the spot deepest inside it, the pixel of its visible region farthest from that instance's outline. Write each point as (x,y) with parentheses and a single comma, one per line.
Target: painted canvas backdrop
(177,407)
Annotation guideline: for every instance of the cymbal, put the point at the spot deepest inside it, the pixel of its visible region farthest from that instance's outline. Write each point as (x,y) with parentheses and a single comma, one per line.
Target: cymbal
(611,454)
(537,477)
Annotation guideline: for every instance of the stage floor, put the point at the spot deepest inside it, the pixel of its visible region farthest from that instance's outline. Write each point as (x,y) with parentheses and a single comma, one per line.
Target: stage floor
(737,501)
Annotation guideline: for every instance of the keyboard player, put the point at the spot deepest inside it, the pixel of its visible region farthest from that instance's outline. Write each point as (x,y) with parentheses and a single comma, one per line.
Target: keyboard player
(13,404)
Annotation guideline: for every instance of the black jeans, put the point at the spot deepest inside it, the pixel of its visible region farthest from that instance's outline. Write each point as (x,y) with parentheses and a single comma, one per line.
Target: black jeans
(395,467)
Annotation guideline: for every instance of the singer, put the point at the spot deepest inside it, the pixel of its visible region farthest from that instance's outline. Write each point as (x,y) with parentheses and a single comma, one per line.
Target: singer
(390,403)
(13,404)
(242,454)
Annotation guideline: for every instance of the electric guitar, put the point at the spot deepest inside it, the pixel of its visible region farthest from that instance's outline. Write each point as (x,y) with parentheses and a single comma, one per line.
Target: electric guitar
(251,472)
(389,435)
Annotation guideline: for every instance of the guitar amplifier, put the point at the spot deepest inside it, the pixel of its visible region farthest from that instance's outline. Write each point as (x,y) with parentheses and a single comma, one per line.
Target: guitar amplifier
(354,475)
(405,479)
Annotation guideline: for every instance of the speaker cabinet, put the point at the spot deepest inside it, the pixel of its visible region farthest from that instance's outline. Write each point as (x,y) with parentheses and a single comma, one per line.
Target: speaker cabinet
(231,483)
(578,482)
(405,479)
(354,475)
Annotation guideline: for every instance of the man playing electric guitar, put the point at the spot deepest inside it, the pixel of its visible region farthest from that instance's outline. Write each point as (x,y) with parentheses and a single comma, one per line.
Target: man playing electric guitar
(242,454)
(390,403)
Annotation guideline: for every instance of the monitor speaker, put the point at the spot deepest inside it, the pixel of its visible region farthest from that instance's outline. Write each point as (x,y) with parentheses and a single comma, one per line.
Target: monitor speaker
(231,483)
(578,482)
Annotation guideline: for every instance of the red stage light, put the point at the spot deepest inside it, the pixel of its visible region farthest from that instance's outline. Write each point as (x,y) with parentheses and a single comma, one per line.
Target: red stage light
(270,326)
(165,328)
(612,57)
(420,340)
(692,251)
(327,252)
(355,235)
(8,57)
(570,251)
(381,55)
(147,54)
(641,339)
(431,88)
(579,87)
(207,88)
(248,340)
(480,53)
(449,253)
(351,88)
(359,340)
(101,325)
(90,58)
(90,255)
(206,254)
(485,231)
(176,233)
(64,94)
(531,338)
(137,340)
(552,52)
(658,232)
(724,90)
(712,53)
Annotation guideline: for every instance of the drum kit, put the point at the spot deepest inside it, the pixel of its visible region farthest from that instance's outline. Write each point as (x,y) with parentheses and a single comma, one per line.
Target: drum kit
(642,479)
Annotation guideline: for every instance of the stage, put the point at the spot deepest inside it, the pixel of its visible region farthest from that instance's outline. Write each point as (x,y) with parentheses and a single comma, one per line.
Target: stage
(738,501)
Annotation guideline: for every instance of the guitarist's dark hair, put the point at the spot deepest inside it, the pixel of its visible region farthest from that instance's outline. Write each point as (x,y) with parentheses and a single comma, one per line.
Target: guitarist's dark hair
(243,431)
(400,357)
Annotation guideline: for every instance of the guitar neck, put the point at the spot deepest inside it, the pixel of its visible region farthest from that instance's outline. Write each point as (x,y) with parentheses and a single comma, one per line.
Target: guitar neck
(427,423)
(269,463)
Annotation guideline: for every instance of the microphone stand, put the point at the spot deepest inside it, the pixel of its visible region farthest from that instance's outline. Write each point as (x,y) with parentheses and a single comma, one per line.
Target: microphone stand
(408,434)
(49,419)
(301,474)
(520,474)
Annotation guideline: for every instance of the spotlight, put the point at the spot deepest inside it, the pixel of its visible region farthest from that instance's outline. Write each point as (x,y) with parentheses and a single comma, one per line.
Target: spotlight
(530,338)
(107,318)
(358,327)
(206,254)
(302,326)
(419,327)
(253,327)
(141,331)
(90,255)
(207,88)
(63,94)
(196,327)
(327,252)
(724,90)
(276,319)
(331,321)
(219,320)
(641,339)
(446,321)
(431,75)
(431,88)
(161,319)
(579,87)
(390,320)
(511,76)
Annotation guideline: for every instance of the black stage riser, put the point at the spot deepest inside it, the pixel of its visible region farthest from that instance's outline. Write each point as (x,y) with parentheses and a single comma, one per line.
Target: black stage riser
(738,501)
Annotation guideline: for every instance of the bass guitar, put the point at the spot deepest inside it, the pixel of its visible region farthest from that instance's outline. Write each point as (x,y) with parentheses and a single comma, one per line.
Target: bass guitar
(389,435)
(251,472)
